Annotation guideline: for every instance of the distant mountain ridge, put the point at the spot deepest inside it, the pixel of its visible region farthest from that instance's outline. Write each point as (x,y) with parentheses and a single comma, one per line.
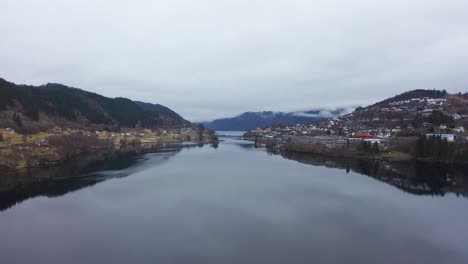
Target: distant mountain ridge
(251,120)
(34,108)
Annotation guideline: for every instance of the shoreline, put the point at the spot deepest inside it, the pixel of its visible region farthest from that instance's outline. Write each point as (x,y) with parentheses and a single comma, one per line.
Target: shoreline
(411,176)
(140,148)
(349,152)
(18,180)
(59,145)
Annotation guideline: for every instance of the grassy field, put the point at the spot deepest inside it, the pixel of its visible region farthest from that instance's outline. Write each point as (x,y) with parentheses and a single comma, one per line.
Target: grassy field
(396,156)
(16,139)
(44,153)
(11,158)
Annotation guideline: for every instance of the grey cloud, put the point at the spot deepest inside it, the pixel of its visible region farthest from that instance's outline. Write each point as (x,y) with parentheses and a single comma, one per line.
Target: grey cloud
(211,58)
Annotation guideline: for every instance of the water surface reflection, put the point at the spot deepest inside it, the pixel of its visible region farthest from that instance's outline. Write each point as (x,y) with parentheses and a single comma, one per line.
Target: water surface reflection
(75,175)
(237,204)
(418,178)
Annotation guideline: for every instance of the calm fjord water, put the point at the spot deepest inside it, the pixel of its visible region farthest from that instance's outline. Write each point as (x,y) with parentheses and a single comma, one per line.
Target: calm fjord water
(233,204)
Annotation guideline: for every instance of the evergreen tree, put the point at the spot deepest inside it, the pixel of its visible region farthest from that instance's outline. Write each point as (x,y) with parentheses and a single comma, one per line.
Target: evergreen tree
(420,146)
(375,148)
(17,119)
(201,130)
(365,147)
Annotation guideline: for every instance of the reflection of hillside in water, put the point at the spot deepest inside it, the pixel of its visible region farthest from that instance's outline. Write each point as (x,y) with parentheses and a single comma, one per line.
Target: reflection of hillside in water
(412,177)
(244,145)
(236,140)
(72,176)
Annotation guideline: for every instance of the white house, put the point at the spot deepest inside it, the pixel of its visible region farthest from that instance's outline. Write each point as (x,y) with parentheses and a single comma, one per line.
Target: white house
(448,137)
(459,129)
(373,140)
(456,117)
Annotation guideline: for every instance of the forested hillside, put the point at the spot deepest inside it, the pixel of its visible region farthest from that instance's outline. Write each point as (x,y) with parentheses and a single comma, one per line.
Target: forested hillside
(33,108)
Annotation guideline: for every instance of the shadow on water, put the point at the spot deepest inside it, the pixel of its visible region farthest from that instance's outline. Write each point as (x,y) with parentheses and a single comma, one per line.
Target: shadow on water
(417,178)
(77,174)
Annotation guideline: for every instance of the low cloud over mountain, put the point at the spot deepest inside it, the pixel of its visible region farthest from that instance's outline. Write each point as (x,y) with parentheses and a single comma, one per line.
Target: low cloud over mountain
(250,120)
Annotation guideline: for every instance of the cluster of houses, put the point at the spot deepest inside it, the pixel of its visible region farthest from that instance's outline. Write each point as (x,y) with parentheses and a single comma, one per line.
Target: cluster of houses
(421,101)
(424,105)
(334,141)
(147,134)
(375,124)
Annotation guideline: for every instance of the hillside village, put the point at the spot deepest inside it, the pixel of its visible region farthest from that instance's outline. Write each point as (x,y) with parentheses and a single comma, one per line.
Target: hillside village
(394,122)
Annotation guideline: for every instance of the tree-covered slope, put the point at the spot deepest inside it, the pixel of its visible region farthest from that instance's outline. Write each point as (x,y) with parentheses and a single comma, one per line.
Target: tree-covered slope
(56,102)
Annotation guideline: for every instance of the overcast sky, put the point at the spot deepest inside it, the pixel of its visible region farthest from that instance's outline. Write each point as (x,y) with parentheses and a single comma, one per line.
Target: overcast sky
(214,58)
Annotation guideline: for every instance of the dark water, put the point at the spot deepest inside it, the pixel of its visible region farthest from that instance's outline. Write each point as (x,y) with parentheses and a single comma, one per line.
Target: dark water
(234,204)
